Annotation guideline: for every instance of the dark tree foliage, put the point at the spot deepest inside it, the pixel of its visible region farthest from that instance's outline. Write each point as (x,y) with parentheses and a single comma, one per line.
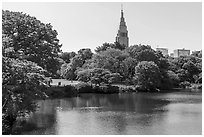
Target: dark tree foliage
(98,76)
(67,56)
(146,53)
(85,53)
(68,71)
(111,59)
(106,46)
(147,76)
(187,68)
(136,49)
(30,39)
(22,82)
(191,70)
(129,67)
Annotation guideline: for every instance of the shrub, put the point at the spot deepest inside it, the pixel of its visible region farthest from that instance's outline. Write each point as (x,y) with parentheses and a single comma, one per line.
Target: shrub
(61,92)
(55,92)
(185,84)
(106,89)
(70,91)
(127,89)
(83,87)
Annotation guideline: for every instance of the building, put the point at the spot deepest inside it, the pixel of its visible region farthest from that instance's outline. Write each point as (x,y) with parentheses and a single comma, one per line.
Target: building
(181,52)
(163,50)
(122,36)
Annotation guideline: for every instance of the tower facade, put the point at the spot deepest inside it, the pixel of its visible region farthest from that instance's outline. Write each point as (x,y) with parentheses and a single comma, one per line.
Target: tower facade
(122,36)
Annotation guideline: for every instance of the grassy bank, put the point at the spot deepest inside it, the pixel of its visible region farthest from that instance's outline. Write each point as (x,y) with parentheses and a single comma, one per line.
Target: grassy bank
(61,88)
(64,88)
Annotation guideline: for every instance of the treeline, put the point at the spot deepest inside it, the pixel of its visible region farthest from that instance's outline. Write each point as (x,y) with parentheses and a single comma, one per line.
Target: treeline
(137,65)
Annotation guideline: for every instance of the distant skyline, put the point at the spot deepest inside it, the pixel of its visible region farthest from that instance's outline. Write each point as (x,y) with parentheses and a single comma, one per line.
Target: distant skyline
(89,25)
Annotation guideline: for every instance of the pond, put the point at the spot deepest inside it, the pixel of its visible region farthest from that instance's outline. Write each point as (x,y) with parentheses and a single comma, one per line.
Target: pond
(124,114)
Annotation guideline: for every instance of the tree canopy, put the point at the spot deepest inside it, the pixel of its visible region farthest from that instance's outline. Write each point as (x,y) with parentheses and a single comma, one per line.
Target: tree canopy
(30,39)
(147,76)
(22,82)
(30,52)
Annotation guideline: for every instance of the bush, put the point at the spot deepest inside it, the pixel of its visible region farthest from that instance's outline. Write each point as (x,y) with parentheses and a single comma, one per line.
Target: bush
(54,92)
(61,92)
(185,84)
(83,88)
(127,89)
(196,86)
(70,91)
(105,89)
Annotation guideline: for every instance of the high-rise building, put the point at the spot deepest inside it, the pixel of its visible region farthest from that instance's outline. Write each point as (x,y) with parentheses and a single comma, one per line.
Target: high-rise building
(163,50)
(181,52)
(122,36)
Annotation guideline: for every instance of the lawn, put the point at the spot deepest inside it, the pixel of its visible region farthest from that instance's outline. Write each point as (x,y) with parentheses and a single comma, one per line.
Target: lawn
(64,82)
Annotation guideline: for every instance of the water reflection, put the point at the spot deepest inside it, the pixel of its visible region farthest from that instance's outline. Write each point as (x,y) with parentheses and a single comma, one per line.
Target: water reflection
(139,113)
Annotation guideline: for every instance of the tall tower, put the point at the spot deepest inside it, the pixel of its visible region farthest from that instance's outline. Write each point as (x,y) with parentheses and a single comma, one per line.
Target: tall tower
(122,36)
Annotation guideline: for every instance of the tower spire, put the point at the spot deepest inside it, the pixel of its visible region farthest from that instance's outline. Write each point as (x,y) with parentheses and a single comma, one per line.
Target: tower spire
(122,18)
(122,36)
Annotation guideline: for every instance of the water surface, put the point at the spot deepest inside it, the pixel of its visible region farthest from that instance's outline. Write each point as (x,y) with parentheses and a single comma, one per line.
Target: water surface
(131,113)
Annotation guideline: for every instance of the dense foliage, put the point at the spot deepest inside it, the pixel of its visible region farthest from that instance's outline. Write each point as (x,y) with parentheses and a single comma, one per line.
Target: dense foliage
(147,76)
(137,65)
(30,52)
(98,76)
(22,82)
(106,46)
(26,37)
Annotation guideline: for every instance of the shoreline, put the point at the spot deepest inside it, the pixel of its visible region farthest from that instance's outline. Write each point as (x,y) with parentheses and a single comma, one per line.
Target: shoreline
(75,88)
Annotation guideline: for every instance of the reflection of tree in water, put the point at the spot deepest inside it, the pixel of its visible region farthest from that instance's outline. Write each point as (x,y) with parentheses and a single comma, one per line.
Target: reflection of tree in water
(115,111)
(139,103)
(44,118)
(129,108)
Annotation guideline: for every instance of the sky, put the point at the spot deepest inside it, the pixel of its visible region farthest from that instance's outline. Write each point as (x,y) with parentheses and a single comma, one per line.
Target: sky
(88,25)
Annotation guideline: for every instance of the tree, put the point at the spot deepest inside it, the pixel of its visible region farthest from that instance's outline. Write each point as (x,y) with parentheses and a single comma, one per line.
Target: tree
(77,61)
(114,78)
(68,71)
(173,77)
(147,55)
(22,82)
(98,76)
(30,39)
(84,75)
(191,69)
(129,65)
(106,46)
(118,46)
(182,74)
(136,49)
(187,68)
(111,59)
(85,53)
(67,56)
(147,76)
